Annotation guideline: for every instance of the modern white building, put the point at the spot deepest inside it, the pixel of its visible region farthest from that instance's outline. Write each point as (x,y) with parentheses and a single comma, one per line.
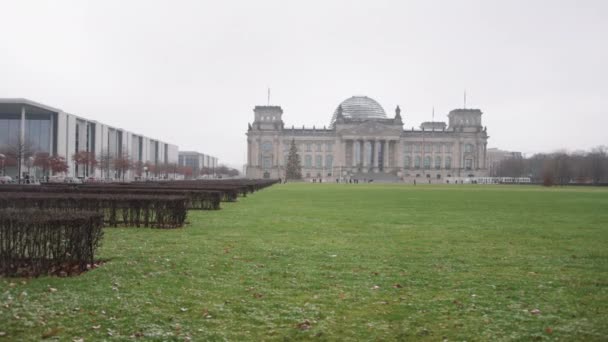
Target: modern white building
(40,128)
(199,162)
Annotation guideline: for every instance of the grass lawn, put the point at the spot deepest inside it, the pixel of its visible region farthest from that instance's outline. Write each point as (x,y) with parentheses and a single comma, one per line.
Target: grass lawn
(342,262)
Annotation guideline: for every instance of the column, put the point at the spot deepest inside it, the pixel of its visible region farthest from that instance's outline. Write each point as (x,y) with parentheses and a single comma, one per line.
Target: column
(485,151)
(385,164)
(399,155)
(376,160)
(364,153)
(341,153)
(360,154)
(353,155)
(21,145)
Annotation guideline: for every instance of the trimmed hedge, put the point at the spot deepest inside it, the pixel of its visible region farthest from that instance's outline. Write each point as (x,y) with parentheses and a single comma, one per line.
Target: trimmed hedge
(197,199)
(117,209)
(35,242)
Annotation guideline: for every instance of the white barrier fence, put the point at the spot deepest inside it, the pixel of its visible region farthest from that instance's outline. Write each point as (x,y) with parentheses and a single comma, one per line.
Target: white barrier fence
(488,180)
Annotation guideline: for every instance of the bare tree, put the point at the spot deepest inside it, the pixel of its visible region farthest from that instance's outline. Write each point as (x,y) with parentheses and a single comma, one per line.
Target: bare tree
(122,164)
(19,151)
(85,159)
(105,161)
(58,164)
(598,164)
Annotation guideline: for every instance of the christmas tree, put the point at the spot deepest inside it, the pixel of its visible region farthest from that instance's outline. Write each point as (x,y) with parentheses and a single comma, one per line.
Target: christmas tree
(294,168)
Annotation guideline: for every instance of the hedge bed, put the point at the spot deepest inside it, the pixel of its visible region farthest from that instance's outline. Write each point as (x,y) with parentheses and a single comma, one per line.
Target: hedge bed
(117,209)
(197,199)
(35,242)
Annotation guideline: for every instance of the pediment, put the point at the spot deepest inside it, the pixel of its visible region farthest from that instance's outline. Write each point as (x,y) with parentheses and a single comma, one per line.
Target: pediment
(372,129)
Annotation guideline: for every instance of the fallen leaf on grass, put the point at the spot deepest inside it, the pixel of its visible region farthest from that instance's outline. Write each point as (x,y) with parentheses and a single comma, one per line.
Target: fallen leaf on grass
(549,330)
(397,286)
(183,309)
(2,333)
(258,295)
(375,287)
(96,327)
(535,312)
(52,290)
(304,325)
(138,335)
(51,332)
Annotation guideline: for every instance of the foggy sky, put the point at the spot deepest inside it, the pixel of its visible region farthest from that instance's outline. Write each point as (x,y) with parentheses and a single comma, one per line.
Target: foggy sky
(190,72)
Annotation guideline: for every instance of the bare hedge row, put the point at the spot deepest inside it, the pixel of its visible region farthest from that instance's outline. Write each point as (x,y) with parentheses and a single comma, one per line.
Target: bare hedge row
(197,199)
(34,242)
(117,209)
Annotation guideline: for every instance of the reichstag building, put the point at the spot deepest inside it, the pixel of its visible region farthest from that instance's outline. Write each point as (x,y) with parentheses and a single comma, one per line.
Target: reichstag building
(363,142)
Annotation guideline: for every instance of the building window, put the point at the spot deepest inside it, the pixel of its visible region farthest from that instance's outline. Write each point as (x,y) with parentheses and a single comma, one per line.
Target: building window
(407,162)
(308,147)
(267,146)
(448,162)
(329,161)
(438,148)
(407,148)
(267,162)
(308,161)
(417,162)
(329,147)
(468,164)
(319,147)
(427,162)
(318,161)
(438,162)
(416,148)
(468,148)
(427,148)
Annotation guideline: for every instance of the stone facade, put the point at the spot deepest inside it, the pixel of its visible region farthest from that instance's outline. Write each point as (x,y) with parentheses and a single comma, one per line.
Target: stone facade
(362,142)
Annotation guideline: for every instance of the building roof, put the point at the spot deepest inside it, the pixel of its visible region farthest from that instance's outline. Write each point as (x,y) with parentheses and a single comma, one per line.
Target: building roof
(22,101)
(360,107)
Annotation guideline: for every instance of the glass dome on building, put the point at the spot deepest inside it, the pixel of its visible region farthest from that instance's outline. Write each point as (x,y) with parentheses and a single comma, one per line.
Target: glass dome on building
(360,107)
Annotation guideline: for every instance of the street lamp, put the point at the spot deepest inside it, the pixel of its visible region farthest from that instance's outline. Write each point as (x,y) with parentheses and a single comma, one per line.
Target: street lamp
(2,159)
(146,171)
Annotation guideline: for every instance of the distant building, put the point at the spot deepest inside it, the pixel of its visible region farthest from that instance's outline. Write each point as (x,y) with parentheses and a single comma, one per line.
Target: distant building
(496,156)
(199,162)
(363,142)
(50,130)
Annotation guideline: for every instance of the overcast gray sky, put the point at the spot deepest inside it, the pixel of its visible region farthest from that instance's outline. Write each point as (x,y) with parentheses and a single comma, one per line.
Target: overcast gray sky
(190,72)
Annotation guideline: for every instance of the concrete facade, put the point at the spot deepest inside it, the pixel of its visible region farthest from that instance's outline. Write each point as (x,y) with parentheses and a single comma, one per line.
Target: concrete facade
(362,142)
(197,161)
(64,134)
